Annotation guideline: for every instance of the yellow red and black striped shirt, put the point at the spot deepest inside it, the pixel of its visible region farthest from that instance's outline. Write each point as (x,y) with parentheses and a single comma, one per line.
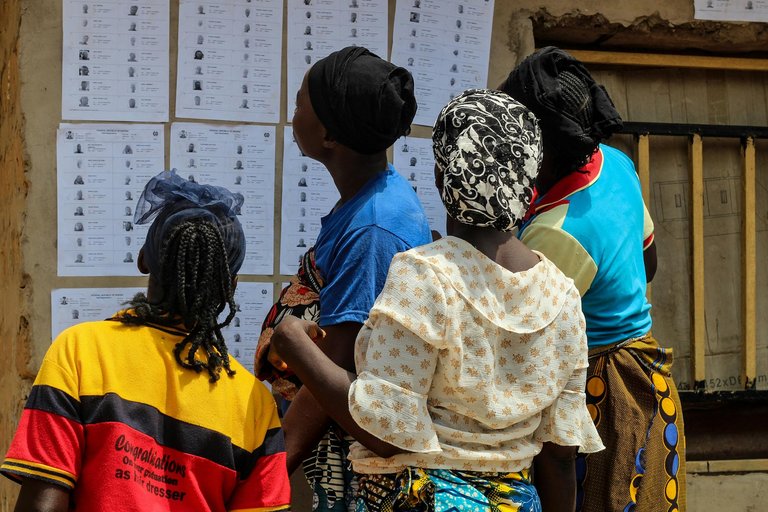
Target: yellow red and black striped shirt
(113,417)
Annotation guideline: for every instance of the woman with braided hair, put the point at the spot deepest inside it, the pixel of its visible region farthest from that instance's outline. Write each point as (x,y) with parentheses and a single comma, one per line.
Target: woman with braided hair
(146,410)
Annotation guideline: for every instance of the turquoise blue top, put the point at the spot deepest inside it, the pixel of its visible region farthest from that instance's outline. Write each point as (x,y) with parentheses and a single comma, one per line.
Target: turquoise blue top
(594,226)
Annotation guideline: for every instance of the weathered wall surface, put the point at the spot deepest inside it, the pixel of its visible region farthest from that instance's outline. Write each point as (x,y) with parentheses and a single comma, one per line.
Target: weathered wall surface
(16,369)
(518,25)
(734,493)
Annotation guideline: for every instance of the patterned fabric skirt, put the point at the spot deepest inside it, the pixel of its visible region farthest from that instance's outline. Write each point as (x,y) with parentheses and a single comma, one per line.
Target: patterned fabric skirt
(441,490)
(329,474)
(634,404)
(327,470)
(301,298)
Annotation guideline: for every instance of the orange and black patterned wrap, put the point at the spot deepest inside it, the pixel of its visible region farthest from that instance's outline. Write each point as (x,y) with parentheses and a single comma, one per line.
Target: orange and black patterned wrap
(635,406)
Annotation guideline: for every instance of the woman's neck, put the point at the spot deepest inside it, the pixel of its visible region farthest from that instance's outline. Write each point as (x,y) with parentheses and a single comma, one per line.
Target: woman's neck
(500,246)
(546,178)
(351,171)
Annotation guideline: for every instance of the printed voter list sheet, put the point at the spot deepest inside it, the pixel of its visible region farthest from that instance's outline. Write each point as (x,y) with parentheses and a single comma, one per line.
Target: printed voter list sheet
(445,44)
(731,10)
(308,195)
(70,306)
(319,27)
(229,60)
(242,160)
(115,60)
(101,172)
(253,302)
(414,160)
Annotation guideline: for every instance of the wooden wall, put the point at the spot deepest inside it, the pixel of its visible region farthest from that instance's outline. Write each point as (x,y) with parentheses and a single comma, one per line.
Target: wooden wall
(705,97)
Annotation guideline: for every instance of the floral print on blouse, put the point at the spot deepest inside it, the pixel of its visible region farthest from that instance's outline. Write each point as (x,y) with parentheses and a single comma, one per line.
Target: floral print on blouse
(466,365)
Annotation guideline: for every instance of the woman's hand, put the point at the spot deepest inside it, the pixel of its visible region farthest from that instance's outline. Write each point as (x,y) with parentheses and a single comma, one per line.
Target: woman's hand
(290,336)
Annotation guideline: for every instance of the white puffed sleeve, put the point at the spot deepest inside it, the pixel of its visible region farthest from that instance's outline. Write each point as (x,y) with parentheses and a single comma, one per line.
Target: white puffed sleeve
(567,421)
(396,355)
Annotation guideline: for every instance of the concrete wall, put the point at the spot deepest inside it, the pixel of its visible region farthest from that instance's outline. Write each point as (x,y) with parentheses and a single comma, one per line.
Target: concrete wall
(728,492)
(27,168)
(16,366)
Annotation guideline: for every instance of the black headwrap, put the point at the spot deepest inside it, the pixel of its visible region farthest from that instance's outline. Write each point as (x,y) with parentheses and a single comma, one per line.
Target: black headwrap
(573,110)
(170,199)
(365,102)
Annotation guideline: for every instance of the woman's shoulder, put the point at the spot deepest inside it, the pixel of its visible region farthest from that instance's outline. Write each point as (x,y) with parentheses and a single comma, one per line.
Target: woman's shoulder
(91,334)
(439,255)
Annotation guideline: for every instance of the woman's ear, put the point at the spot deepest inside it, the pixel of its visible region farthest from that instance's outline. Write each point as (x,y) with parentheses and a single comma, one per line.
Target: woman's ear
(329,142)
(141,264)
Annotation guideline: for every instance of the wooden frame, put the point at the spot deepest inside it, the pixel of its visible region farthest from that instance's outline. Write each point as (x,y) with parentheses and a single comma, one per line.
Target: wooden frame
(698,326)
(669,61)
(749,248)
(749,364)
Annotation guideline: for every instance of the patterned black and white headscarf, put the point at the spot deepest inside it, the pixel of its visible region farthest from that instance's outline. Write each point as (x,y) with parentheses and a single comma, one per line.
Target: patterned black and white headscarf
(488,150)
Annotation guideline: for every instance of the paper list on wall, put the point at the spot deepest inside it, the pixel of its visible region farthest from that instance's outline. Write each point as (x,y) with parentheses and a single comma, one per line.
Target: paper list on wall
(414,160)
(115,60)
(229,60)
(445,44)
(318,27)
(242,334)
(308,195)
(70,306)
(242,160)
(101,172)
(731,10)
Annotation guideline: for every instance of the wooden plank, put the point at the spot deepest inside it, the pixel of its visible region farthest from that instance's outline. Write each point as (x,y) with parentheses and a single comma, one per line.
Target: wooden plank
(727,466)
(644,166)
(644,171)
(614,81)
(745,94)
(698,327)
(669,61)
(648,95)
(749,369)
(717,98)
(696,466)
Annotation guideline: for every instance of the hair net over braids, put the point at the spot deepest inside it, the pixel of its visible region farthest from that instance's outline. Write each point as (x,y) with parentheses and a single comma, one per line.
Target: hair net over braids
(194,248)
(488,150)
(171,200)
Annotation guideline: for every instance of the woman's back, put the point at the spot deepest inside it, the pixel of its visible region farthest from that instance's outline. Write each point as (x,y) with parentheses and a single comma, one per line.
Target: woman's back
(136,431)
(506,353)
(132,413)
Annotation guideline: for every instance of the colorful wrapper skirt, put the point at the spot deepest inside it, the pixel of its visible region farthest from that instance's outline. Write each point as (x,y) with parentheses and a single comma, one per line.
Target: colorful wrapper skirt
(328,472)
(635,406)
(441,490)
(327,469)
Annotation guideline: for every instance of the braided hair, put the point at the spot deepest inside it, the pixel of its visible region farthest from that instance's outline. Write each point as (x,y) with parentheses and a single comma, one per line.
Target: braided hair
(196,285)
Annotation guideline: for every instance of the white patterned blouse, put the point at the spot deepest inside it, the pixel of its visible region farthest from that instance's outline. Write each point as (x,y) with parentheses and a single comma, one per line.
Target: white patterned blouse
(466,365)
